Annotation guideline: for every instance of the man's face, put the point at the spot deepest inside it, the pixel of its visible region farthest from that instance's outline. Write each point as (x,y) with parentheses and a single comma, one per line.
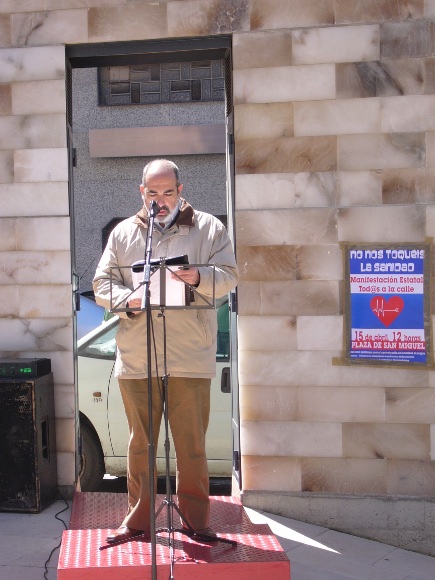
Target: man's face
(161,187)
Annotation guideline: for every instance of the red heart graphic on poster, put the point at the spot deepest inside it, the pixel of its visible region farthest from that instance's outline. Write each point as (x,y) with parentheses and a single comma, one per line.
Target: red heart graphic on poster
(387,310)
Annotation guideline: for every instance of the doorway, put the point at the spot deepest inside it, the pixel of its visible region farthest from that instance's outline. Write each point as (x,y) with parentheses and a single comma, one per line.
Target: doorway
(107,187)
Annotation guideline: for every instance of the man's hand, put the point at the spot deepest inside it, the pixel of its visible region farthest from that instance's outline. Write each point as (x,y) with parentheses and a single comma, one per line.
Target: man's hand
(188,275)
(135,303)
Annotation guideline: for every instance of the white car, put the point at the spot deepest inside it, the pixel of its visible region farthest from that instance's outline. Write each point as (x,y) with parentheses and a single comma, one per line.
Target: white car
(103,424)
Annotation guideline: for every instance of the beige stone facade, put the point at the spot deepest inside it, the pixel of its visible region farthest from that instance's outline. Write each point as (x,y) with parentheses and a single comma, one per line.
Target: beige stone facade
(335,142)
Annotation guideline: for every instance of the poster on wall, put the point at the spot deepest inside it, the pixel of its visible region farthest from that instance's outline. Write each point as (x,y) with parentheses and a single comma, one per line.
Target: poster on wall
(387,315)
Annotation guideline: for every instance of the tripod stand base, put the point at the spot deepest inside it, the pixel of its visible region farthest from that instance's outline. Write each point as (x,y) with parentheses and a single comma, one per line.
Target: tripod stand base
(85,554)
(198,535)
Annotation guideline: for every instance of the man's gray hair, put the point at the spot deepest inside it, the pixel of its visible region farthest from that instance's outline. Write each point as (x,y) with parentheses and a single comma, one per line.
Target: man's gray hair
(164,164)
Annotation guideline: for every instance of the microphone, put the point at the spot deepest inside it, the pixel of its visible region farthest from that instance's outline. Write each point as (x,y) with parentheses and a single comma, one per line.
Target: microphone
(154,207)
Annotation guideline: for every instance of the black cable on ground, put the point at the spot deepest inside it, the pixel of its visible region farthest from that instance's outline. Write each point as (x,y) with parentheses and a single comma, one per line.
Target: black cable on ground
(65,526)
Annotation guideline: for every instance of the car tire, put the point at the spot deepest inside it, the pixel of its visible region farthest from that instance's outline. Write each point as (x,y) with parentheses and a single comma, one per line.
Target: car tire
(92,467)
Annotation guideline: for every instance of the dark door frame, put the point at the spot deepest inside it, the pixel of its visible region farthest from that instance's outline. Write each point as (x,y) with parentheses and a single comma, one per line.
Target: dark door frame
(147,51)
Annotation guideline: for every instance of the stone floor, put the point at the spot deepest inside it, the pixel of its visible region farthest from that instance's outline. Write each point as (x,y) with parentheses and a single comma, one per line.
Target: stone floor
(26,541)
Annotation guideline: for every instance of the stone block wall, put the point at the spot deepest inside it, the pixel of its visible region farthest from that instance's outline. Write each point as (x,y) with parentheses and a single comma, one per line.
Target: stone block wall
(335,142)
(35,247)
(333,131)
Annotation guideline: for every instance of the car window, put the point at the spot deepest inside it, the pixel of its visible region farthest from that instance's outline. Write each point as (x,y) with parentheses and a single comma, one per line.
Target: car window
(101,346)
(223,333)
(89,316)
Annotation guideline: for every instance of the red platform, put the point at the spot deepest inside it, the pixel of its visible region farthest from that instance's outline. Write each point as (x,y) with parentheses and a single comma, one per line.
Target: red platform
(84,553)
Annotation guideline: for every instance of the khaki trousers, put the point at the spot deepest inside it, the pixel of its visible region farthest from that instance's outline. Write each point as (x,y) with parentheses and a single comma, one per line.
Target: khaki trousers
(188,414)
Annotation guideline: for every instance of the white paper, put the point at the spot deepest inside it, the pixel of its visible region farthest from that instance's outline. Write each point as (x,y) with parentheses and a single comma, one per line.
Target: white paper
(175,288)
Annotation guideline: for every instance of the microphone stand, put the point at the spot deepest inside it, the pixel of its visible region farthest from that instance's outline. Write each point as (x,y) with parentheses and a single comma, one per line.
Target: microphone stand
(146,305)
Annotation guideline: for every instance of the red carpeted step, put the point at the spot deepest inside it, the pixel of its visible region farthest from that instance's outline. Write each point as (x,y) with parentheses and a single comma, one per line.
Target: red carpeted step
(85,554)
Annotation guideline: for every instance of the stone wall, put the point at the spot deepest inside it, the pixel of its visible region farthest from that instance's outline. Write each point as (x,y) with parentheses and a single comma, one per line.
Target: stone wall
(35,246)
(342,152)
(335,142)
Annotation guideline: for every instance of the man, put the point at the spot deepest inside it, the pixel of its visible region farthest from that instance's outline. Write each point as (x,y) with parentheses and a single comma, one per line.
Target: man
(190,344)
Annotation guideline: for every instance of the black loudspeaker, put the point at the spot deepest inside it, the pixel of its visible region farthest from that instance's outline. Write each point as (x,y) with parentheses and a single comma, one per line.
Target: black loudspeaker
(28,471)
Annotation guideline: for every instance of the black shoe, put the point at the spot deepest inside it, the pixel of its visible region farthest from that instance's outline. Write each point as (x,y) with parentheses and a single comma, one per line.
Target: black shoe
(123,533)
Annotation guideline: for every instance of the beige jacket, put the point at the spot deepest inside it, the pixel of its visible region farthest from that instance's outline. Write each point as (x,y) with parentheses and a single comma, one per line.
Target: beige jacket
(190,332)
